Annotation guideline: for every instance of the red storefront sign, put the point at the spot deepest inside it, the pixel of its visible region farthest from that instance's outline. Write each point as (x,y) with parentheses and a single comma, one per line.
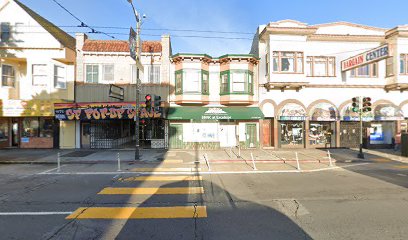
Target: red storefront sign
(373,55)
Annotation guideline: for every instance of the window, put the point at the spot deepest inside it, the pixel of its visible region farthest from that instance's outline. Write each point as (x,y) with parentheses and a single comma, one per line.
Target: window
(224,82)
(236,81)
(191,81)
(320,66)
(288,62)
(39,75)
(7,76)
(4,130)
(369,70)
(59,77)
(134,73)
(108,72)
(153,73)
(205,82)
(179,82)
(403,63)
(5,32)
(267,65)
(92,73)
(38,127)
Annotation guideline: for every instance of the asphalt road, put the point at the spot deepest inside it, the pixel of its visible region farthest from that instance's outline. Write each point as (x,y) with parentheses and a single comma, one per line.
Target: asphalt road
(367,201)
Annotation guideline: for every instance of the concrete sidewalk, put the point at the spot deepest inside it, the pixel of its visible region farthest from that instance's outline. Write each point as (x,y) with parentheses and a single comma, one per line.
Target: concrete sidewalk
(188,156)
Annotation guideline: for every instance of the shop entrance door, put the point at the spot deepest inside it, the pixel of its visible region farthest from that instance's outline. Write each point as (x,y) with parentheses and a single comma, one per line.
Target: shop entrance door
(15,133)
(250,135)
(176,136)
(85,135)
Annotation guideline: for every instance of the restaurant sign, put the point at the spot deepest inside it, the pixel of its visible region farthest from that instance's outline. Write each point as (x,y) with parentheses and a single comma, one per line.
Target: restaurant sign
(101,111)
(370,56)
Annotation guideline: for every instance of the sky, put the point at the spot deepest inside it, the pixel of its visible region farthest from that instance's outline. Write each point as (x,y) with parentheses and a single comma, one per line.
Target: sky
(214,27)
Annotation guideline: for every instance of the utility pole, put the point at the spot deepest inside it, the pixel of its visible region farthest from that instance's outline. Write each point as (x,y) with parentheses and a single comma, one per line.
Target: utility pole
(138,84)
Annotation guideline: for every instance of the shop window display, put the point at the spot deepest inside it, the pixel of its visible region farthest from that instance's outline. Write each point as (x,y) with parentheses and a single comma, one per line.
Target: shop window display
(292,133)
(38,127)
(320,134)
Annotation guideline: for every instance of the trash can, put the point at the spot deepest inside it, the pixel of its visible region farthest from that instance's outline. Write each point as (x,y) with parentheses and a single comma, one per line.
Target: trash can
(404,144)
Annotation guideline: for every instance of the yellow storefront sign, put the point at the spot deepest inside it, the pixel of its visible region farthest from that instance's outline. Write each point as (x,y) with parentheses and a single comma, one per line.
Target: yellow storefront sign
(27,108)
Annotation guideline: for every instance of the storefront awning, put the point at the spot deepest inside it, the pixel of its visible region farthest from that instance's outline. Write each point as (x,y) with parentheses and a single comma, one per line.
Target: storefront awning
(215,113)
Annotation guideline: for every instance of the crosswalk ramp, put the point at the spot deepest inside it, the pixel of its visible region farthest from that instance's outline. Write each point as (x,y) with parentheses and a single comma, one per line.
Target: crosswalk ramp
(146,187)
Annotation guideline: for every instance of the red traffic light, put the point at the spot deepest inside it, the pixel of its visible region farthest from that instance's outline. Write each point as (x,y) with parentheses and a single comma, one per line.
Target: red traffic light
(148,97)
(367,99)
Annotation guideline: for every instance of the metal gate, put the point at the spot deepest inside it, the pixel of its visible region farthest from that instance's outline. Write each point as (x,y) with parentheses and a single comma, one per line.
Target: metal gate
(107,134)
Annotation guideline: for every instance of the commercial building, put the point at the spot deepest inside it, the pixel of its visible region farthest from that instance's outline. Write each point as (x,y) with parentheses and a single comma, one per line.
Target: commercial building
(37,70)
(308,75)
(105,94)
(214,102)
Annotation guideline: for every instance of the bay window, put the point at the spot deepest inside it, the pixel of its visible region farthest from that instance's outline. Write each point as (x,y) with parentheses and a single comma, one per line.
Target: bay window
(193,81)
(319,66)
(403,63)
(288,62)
(8,76)
(236,82)
(369,70)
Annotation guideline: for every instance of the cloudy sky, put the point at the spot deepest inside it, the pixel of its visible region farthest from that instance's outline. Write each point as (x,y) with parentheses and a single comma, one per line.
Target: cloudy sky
(214,27)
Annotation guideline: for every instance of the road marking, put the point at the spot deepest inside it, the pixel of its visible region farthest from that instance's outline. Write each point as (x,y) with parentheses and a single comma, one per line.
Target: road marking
(145,191)
(50,170)
(162,178)
(381,160)
(32,213)
(207,172)
(403,175)
(165,169)
(402,166)
(139,212)
(172,161)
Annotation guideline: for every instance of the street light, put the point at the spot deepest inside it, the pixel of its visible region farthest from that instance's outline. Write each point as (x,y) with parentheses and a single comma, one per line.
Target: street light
(138,24)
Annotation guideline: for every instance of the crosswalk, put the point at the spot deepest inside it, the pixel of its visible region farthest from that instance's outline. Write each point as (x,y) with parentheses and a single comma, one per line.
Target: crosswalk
(134,186)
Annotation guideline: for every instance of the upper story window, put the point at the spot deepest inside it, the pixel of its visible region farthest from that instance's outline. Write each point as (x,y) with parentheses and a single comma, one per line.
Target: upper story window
(320,66)
(8,76)
(108,73)
(153,73)
(403,63)
(40,75)
(267,64)
(370,70)
(192,81)
(288,62)
(5,32)
(236,82)
(92,73)
(59,77)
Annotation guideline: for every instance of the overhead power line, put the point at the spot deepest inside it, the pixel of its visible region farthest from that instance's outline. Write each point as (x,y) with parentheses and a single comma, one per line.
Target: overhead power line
(83,24)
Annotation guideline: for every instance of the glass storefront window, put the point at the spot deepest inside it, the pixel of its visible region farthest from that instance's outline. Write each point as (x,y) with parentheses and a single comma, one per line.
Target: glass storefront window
(292,133)
(37,127)
(321,134)
(46,127)
(4,130)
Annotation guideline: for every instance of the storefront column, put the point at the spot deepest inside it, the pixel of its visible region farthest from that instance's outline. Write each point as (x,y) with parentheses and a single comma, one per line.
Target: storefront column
(337,133)
(306,134)
(261,133)
(275,133)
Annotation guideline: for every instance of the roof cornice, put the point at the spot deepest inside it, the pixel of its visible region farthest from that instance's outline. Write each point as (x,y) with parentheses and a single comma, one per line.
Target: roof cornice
(287,31)
(349,38)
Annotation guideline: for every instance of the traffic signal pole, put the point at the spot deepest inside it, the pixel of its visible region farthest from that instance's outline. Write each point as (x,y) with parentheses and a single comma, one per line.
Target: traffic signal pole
(360,111)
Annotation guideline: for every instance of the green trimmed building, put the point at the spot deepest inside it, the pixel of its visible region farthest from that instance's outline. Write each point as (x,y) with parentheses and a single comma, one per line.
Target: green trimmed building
(214,102)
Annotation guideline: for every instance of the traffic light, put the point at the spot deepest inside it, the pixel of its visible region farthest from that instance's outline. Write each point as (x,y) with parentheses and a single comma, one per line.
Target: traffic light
(148,102)
(366,104)
(355,104)
(156,103)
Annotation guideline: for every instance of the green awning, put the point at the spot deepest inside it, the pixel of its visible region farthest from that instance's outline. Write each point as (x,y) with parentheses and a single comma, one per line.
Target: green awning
(214,113)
